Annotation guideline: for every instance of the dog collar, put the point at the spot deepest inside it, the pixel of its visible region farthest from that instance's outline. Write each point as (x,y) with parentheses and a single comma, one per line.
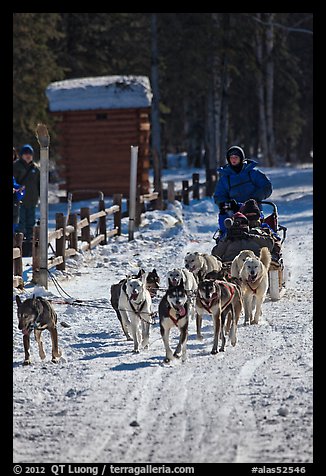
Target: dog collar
(142,304)
(36,324)
(207,303)
(254,290)
(174,315)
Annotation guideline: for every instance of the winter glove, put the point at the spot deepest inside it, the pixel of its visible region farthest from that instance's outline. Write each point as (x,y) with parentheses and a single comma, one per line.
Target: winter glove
(234,205)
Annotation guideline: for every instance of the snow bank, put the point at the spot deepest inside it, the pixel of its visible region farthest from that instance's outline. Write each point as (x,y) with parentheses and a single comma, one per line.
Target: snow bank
(103,403)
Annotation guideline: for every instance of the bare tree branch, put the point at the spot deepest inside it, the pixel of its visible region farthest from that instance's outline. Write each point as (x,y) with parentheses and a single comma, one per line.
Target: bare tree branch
(288,28)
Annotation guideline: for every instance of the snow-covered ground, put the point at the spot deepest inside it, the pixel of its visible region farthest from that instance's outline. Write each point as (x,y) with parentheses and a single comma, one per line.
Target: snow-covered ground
(102,403)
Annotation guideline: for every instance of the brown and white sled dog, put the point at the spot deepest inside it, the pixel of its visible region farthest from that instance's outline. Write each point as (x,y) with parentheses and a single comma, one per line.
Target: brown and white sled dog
(37,314)
(238,261)
(173,312)
(135,307)
(220,299)
(152,284)
(179,276)
(201,263)
(254,284)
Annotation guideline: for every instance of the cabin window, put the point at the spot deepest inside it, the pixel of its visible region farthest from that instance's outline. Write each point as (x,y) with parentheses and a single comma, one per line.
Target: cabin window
(102,116)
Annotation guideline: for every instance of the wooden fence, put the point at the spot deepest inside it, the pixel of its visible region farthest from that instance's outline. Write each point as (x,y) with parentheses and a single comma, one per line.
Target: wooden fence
(198,189)
(69,230)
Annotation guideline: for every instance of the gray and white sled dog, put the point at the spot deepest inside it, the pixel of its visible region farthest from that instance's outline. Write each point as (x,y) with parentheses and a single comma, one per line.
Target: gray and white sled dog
(152,284)
(178,276)
(201,263)
(173,312)
(254,284)
(135,306)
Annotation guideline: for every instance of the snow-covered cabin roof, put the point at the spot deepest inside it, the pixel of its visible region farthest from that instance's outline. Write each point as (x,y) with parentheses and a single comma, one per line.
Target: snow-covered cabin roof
(102,92)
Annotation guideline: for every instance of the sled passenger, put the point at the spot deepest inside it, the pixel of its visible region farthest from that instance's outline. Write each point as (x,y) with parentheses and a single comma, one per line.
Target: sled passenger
(256,224)
(239,180)
(240,237)
(256,217)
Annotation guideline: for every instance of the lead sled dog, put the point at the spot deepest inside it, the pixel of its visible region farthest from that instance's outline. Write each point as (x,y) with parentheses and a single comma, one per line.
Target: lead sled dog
(135,307)
(152,284)
(174,312)
(181,276)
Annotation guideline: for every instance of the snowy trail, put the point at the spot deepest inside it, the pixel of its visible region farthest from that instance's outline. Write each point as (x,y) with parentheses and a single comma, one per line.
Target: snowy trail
(102,403)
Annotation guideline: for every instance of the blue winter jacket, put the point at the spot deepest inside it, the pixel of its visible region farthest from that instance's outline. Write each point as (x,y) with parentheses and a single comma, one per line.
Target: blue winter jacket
(18,194)
(249,183)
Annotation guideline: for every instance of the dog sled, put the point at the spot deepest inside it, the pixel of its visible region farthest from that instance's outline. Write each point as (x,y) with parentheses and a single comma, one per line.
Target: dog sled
(269,233)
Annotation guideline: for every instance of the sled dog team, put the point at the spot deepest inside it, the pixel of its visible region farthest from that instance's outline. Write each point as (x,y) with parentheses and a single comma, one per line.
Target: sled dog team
(203,286)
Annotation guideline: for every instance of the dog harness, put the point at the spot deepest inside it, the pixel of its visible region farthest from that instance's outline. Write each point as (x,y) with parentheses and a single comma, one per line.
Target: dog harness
(208,304)
(134,309)
(40,309)
(139,311)
(254,290)
(177,316)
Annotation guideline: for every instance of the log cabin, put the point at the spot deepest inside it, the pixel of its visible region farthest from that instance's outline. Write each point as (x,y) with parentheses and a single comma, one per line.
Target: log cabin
(98,119)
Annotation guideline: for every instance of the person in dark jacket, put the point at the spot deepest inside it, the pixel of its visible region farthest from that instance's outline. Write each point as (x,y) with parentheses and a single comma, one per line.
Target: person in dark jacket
(27,173)
(239,180)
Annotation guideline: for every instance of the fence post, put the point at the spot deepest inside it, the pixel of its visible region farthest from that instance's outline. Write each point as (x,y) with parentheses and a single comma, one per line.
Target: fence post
(133,191)
(36,255)
(102,221)
(117,200)
(158,204)
(18,262)
(86,230)
(211,179)
(171,193)
(73,237)
(195,186)
(185,192)
(60,243)
(44,141)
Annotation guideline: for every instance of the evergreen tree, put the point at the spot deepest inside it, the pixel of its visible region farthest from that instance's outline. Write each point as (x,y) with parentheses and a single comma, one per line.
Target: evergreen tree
(100,44)
(53,46)
(34,67)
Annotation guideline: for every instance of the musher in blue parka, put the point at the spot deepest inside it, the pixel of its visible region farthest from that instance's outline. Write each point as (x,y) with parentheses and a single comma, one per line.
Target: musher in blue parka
(239,180)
